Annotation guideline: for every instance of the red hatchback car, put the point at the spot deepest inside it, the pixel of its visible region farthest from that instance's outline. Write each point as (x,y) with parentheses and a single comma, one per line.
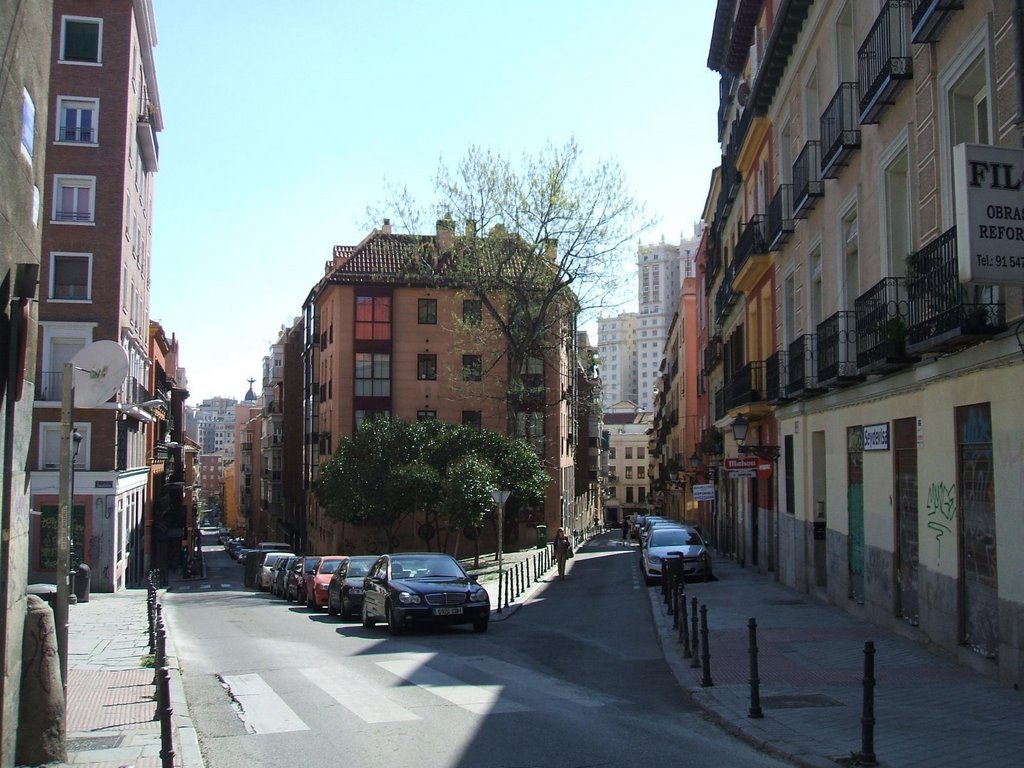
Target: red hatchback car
(319,580)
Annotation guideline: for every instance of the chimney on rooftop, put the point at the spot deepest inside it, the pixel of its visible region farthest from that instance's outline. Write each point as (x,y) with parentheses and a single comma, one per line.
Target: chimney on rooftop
(445,240)
(386,229)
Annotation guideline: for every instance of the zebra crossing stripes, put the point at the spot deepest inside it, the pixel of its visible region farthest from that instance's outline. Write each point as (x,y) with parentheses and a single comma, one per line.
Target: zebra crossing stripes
(260,709)
(358,695)
(479,699)
(498,688)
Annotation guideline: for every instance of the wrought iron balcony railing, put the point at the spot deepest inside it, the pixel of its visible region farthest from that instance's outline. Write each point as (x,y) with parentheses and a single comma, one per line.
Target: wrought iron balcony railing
(807,183)
(884,61)
(942,313)
(802,360)
(780,217)
(837,349)
(882,327)
(928,17)
(776,377)
(840,131)
(745,386)
(752,240)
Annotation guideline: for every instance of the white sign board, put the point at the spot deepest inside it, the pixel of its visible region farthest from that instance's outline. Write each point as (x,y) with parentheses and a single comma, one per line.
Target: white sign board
(704,492)
(988,188)
(876,437)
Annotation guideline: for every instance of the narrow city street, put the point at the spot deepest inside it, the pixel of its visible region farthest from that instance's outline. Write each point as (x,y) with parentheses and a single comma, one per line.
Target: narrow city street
(575,677)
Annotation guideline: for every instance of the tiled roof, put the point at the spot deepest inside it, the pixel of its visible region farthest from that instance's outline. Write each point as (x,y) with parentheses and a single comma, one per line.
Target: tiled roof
(382,254)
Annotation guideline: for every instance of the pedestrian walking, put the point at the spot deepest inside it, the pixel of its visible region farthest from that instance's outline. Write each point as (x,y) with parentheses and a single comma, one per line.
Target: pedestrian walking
(562,550)
(625,527)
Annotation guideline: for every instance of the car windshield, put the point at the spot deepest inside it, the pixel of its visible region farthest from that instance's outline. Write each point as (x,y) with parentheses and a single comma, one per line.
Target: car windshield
(329,566)
(674,537)
(426,568)
(359,567)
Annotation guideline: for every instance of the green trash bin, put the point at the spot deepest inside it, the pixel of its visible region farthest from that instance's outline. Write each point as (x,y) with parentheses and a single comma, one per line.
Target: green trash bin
(542,536)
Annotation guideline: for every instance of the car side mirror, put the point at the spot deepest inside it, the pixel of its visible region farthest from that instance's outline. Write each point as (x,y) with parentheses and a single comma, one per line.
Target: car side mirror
(473,577)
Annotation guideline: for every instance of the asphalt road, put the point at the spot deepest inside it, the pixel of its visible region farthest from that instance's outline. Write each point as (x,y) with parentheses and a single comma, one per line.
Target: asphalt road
(574,678)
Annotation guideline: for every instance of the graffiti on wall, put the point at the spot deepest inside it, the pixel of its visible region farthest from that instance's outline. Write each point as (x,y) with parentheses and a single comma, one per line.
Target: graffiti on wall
(941,509)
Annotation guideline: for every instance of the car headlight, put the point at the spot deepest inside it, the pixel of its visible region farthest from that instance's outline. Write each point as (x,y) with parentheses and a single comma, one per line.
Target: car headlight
(409,598)
(323,587)
(478,596)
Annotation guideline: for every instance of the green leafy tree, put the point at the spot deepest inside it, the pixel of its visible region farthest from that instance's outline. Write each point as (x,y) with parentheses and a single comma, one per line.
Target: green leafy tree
(391,470)
(541,241)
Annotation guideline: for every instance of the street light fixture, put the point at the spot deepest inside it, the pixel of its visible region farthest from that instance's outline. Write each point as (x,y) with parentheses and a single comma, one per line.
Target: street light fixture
(694,461)
(740,426)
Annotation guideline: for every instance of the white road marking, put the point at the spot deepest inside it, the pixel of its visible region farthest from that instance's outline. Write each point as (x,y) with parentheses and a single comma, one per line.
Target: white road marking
(540,685)
(363,698)
(260,709)
(479,699)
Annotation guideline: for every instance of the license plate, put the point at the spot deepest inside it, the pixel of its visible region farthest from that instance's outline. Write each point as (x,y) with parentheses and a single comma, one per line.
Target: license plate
(450,611)
(356,591)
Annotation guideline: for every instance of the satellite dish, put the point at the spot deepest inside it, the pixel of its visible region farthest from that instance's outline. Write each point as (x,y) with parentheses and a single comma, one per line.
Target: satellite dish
(99,371)
(743,93)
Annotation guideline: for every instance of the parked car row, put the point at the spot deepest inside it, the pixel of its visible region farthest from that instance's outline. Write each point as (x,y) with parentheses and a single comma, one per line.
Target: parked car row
(401,590)
(661,538)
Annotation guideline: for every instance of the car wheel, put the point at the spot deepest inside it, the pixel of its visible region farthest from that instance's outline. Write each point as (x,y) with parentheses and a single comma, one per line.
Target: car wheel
(394,623)
(480,625)
(331,610)
(345,609)
(368,621)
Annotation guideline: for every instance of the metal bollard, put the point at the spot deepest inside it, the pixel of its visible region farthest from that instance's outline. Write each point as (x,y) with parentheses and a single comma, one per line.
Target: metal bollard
(867,720)
(706,681)
(165,712)
(528,574)
(755,681)
(694,636)
(519,578)
(684,629)
(151,617)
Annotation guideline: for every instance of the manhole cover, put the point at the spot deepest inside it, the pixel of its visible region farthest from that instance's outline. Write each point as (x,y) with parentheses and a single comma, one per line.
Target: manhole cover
(86,743)
(799,702)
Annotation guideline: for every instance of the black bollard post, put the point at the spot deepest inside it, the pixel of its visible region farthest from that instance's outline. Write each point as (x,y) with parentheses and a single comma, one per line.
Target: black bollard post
(673,607)
(165,712)
(528,574)
(694,635)
(867,720)
(706,681)
(519,578)
(684,629)
(668,569)
(151,615)
(755,681)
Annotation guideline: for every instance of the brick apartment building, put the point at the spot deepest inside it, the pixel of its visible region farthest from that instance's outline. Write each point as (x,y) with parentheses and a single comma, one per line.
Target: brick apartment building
(96,213)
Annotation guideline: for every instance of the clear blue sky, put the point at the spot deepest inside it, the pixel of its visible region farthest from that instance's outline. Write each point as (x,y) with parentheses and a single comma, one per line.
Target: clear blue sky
(282,122)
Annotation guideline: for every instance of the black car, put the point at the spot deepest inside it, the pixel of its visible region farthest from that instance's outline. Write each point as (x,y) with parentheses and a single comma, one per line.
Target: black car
(423,587)
(345,592)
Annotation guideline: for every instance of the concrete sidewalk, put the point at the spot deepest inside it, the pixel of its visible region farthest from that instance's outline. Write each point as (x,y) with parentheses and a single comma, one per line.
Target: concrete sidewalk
(928,711)
(111,704)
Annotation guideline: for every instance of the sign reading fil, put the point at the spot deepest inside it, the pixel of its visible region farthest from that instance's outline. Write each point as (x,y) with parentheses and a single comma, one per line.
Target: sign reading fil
(989,192)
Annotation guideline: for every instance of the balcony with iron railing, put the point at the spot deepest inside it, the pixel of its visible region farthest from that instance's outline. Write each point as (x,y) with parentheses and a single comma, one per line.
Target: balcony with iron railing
(943,314)
(884,61)
(745,386)
(807,183)
(840,131)
(74,133)
(775,378)
(780,217)
(882,327)
(720,403)
(752,256)
(802,363)
(837,350)
(725,298)
(929,17)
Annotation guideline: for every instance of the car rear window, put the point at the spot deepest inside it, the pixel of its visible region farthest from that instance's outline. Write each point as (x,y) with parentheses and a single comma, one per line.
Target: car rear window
(679,537)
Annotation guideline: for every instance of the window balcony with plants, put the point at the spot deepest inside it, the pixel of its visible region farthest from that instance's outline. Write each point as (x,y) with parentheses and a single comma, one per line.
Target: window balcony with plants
(884,61)
(943,314)
(882,327)
(840,131)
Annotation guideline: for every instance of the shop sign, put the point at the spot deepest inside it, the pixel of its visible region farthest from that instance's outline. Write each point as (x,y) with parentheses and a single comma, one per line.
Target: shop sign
(703,492)
(876,437)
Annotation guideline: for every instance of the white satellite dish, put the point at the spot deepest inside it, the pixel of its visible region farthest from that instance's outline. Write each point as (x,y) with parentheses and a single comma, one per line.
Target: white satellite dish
(99,371)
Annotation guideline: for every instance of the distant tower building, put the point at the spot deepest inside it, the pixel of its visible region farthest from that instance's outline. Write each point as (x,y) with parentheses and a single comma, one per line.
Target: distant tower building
(215,425)
(661,269)
(617,353)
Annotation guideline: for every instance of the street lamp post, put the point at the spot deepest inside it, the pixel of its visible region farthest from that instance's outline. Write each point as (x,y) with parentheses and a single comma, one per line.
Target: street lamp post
(500,497)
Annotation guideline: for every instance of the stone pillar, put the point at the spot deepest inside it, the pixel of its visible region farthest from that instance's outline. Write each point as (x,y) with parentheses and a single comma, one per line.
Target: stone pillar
(41,717)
